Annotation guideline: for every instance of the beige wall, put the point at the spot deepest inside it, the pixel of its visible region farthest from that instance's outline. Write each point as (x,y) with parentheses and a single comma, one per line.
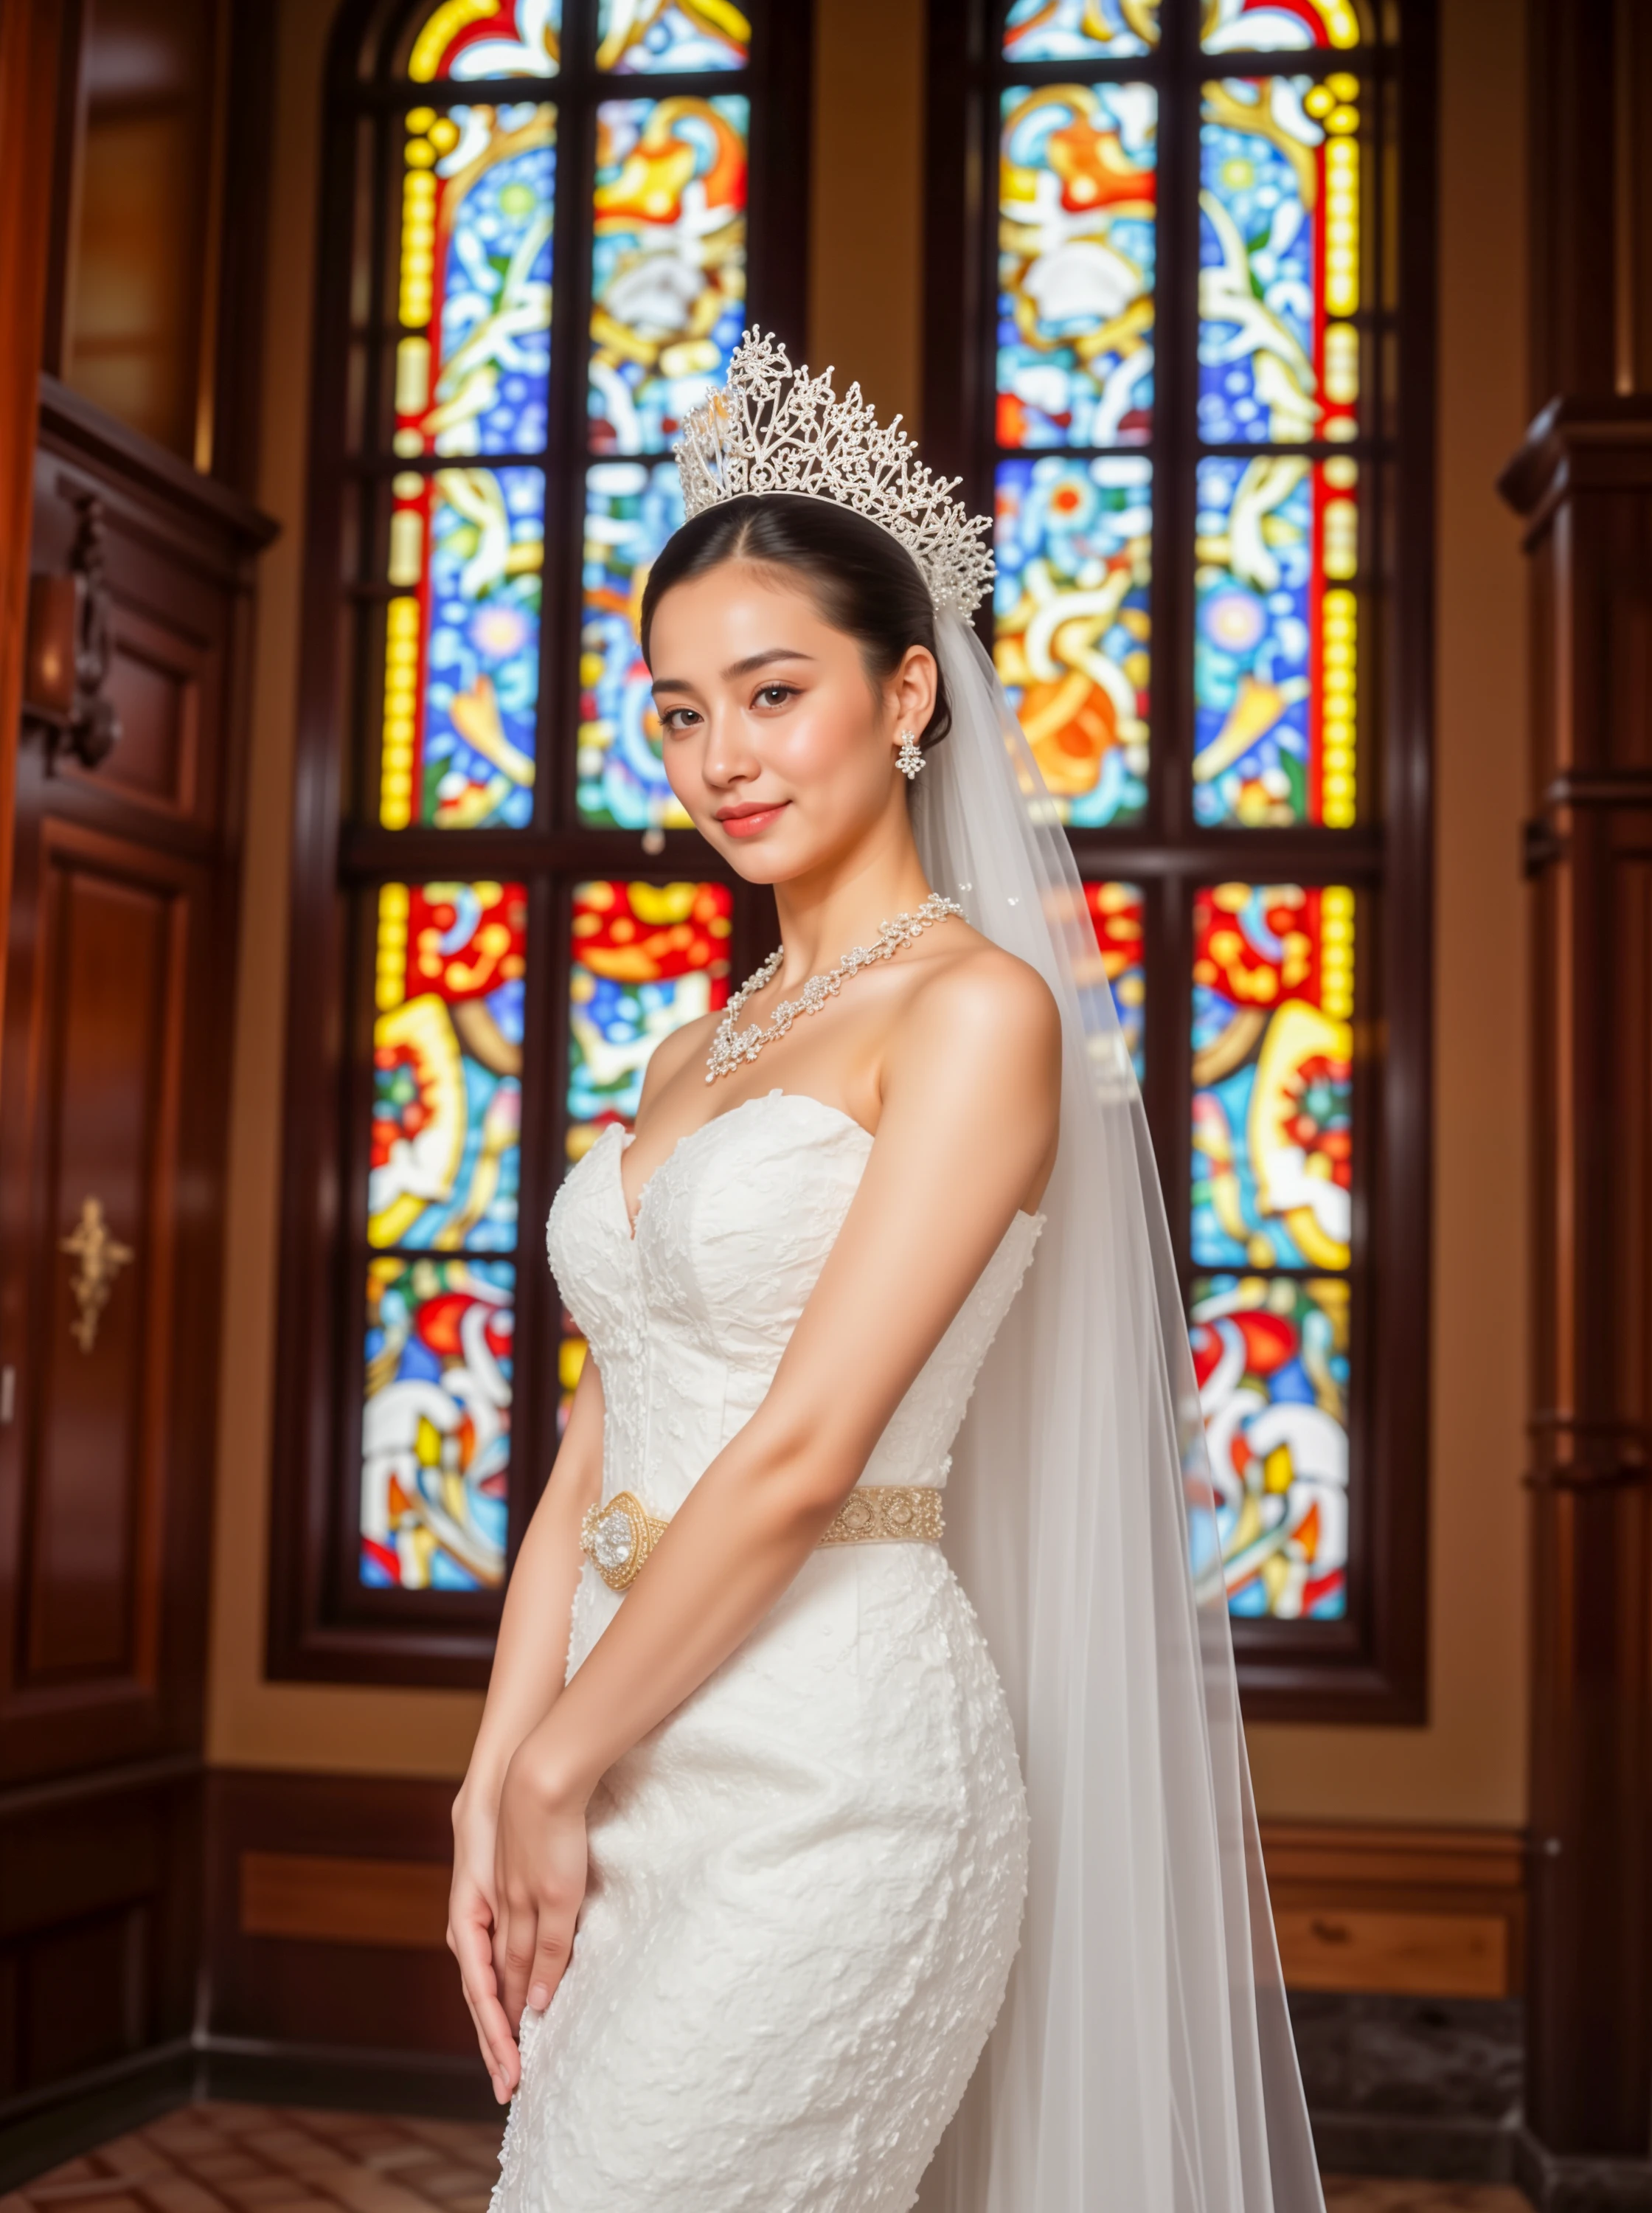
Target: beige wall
(1467,1765)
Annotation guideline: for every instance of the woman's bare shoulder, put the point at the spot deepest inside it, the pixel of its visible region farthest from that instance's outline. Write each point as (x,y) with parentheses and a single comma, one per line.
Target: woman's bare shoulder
(974,1003)
(674,1053)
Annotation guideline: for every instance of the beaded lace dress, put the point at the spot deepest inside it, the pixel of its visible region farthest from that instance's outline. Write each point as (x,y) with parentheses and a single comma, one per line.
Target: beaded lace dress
(806,1886)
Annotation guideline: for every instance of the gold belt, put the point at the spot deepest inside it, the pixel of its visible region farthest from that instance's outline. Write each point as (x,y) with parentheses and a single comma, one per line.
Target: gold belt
(618,1538)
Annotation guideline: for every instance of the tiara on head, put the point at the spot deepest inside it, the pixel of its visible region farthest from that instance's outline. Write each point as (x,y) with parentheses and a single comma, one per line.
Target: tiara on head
(774,428)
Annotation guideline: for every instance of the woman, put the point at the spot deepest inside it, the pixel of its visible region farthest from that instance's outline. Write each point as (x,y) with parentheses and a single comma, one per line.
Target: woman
(779,1794)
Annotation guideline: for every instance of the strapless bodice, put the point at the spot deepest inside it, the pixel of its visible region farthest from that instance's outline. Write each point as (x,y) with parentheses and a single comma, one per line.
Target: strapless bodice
(688,1316)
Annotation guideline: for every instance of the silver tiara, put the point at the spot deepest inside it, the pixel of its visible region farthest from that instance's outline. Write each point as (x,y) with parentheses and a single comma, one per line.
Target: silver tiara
(774,428)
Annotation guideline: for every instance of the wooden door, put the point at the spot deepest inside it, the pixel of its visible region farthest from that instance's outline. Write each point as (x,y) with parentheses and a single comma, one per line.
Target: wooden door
(113,1070)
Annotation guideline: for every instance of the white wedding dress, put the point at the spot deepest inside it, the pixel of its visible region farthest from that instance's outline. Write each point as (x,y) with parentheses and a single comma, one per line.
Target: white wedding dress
(806,1887)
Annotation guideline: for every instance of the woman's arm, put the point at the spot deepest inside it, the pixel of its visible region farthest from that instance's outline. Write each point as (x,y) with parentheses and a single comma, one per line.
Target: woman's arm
(529,1665)
(967,1132)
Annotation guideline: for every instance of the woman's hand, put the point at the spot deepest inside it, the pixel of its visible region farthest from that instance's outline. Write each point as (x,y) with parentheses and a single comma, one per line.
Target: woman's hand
(472,1918)
(539,1869)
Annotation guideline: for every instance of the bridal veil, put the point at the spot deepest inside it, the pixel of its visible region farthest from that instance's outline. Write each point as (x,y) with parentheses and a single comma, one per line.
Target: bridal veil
(1144,2060)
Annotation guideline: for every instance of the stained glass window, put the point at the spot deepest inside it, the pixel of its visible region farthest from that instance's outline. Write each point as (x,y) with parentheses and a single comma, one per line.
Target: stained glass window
(660,36)
(1188,424)
(1231,26)
(1079,30)
(538,211)
(450,988)
(472,39)
(1116,909)
(1076,240)
(643,960)
(1272,1357)
(668,265)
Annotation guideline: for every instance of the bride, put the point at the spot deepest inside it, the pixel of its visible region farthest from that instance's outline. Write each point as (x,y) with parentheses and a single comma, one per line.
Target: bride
(744,1848)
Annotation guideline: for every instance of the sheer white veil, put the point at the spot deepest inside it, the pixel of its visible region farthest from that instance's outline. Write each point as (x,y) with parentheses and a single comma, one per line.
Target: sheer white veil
(1143,2060)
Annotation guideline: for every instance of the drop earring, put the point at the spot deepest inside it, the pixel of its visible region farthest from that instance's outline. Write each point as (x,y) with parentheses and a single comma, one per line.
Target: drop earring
(910,758)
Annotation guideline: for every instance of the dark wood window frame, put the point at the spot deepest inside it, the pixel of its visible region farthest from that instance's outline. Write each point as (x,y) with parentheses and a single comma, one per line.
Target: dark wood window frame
(324,1625)
(1371,1666)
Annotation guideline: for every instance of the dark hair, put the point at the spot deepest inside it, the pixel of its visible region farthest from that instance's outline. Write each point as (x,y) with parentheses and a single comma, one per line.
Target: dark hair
(865,582)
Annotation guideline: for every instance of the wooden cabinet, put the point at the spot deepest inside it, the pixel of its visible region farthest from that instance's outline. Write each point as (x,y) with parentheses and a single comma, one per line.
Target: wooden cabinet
(113,1081)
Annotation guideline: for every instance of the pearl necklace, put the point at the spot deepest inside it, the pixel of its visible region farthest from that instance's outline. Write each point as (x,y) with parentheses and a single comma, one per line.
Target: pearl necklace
(731,1050)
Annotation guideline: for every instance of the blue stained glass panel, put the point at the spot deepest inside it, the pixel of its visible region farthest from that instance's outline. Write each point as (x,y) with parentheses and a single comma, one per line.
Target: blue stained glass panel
(1077,188)
(1280,260)
(436,1424)
(1271,1355)
(1276,550)
(478,213)
(481,680)
(1073,543)
(1079,30)
(655,36)
(632,508)
(668,277)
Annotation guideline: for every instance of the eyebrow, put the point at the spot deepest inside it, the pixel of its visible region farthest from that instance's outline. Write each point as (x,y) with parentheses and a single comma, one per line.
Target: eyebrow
(752,660)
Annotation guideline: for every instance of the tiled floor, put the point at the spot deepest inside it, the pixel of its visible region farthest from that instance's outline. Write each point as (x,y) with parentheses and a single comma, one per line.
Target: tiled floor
(262,2159)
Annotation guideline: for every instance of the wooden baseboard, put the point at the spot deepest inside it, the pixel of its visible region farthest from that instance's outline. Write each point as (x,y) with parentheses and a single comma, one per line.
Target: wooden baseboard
(334,1889)
(1408,1911)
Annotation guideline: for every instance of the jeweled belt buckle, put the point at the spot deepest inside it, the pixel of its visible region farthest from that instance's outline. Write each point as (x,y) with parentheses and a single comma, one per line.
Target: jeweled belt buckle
(617,1538)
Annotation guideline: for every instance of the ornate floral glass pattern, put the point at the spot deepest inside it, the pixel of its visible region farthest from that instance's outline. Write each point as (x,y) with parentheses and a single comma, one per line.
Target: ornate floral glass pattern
(1279,256)
(659,35)
(1264,26)
(1272,1140)
(474,280)
(1077,186)
(1073,545)
(436,1426)
(1079,30)
(668,277)
(1116,909)
(645,959)
(1271,1355)
(462,649)
(1275,649)
(472,39)
(631,509)
(447,1067)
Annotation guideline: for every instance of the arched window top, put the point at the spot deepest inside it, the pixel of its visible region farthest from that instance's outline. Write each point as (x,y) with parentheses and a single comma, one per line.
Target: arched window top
(1079,30)
(660,37)
(1253,27)
(469,40)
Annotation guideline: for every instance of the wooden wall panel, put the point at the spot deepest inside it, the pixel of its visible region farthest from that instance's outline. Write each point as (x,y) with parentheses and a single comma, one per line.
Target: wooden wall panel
(120,965)
(99,1924)
(327,1915)
(1584,481)
(296,1862)
(114,962)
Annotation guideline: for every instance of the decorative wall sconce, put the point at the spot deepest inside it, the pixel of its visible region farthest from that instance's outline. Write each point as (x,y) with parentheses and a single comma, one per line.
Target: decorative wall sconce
(69,651)
(100,1258)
